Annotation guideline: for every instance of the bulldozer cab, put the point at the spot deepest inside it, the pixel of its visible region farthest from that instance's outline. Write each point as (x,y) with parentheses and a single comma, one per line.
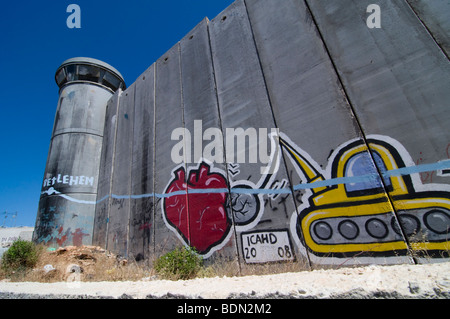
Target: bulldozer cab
(356,173)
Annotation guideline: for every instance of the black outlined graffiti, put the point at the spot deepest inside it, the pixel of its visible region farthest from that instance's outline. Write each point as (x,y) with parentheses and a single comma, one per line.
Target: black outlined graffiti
(349,211)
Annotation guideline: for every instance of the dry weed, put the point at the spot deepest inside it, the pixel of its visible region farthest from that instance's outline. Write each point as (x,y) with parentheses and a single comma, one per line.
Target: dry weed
(85,263)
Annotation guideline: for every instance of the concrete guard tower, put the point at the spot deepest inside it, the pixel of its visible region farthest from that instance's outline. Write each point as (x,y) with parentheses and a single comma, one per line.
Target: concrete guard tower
(71,174)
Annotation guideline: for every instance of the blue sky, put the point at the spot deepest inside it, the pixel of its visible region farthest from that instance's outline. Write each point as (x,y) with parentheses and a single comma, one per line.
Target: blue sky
(35,40)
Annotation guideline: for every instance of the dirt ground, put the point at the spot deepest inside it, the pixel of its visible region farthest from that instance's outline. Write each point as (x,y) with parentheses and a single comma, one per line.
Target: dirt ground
(72,267)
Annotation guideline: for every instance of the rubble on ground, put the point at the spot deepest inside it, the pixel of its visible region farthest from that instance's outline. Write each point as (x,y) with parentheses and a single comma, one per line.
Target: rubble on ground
(85,263)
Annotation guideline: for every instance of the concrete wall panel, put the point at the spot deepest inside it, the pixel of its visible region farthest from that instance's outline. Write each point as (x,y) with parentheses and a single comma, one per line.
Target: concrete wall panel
(434,15)
(393,76)
(308,101)
(105,173)
(315,119)
(244,105)
(169,117)
(119,216)
(210,222)
(398,81)
(142,210)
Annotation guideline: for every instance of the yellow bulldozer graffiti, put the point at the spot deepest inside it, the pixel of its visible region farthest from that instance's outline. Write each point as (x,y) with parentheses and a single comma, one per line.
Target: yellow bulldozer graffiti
(368,204)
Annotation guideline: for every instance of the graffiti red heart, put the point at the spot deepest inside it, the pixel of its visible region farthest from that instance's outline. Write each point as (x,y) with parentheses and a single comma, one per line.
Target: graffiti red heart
(200,218)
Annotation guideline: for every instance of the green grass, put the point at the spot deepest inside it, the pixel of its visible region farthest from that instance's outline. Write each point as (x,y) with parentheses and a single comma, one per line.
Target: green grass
(180,263)
(20,257)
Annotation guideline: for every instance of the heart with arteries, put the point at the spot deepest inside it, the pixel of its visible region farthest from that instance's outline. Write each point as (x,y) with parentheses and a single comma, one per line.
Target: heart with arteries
(197,210)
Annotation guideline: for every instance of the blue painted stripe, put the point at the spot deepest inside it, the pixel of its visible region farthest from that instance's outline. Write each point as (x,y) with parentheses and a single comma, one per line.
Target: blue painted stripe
(338,180)
(207,191)
(326,183)
(418,169)
(238,190)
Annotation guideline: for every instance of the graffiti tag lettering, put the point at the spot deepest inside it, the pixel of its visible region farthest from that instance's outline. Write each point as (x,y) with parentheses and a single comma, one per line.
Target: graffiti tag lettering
(267,246)
(68,180)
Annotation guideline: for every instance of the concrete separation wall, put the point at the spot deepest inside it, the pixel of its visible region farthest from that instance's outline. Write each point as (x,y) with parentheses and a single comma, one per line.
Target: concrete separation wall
(295,131)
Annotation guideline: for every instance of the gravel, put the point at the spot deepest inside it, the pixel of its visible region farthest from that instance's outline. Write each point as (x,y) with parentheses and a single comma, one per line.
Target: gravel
(429,281)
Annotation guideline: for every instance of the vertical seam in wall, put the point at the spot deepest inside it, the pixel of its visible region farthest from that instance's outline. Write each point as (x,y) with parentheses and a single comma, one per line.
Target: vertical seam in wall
(153,214)
(130,173)
(363,135)
(183,123)
(229,205)
(426,28)
(112,168)
(98,180)
(341,84)
(274,120)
